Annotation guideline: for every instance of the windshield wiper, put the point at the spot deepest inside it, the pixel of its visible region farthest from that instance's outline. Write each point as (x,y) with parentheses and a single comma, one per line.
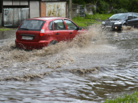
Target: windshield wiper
(24,28)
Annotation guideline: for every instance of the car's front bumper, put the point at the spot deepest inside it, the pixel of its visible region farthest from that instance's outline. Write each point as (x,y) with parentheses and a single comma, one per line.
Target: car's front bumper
(117,27)
(113,27)
(31,45)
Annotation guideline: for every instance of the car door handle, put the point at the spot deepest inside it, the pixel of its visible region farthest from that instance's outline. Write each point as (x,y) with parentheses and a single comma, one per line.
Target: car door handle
(70,33)
(57,33)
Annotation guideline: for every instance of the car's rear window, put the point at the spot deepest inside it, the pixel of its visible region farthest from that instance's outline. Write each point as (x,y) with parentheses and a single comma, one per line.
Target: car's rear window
(34,25)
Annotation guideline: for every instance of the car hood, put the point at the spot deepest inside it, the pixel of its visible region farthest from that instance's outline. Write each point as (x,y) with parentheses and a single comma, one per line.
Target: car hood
(112,21)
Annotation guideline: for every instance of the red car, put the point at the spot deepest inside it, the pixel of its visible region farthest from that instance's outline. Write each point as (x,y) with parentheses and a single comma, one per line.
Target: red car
(36,33)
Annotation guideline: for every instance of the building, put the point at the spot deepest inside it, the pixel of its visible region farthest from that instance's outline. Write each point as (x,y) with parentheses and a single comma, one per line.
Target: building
(13,12)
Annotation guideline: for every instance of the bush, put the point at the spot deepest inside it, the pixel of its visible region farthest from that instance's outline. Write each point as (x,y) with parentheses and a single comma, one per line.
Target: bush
(87,16)
(93,10)
(122,10)
(102,7)
(98,16)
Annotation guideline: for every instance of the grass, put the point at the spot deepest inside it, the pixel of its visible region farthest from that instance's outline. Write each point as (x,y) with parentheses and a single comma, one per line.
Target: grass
(90,19)
(82,22)
(4,29)
(131,98)
(99,16)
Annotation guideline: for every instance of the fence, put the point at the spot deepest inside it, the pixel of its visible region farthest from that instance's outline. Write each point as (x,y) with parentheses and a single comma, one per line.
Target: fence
(81,10)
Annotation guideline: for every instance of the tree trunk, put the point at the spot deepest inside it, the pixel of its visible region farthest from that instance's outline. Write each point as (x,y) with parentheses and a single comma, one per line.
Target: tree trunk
(70,9)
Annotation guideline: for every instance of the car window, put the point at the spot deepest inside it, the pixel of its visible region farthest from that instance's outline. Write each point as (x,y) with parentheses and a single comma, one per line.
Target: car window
(35,25)
(118,16)
(70,25)
(135,15)
(50,25)
(130,16)
(59,25)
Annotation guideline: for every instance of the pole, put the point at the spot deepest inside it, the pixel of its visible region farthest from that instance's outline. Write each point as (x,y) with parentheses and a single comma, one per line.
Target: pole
(70,9)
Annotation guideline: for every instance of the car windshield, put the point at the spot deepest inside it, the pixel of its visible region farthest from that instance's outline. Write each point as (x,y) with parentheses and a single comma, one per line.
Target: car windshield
(118,16)
(35,25)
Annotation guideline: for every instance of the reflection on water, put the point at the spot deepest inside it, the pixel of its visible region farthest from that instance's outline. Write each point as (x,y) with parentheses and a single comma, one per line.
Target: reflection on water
(94,66)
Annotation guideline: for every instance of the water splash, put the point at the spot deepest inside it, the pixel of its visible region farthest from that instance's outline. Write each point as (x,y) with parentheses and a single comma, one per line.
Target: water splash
(22,65)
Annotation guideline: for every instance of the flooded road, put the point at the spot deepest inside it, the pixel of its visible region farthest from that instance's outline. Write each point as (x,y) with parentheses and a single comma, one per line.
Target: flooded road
(93,67)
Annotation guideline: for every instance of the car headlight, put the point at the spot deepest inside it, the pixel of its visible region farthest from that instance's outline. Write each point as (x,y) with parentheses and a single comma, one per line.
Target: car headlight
(103,22)
(118,22)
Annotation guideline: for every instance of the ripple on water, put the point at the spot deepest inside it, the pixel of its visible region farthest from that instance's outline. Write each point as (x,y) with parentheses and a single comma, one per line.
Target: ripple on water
(122,83)
(129,83)
(65,72)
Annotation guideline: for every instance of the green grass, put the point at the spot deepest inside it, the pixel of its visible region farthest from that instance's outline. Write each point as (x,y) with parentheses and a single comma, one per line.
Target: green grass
(131,98)
(90,19)
(4,29)
(82,22)
(99,16)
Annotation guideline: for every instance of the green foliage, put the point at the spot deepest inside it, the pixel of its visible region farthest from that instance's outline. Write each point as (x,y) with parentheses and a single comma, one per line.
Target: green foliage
(131,98)
(102,7)
(119,11)
(81,2)
(93,9)
(90,19)
(98,16)
(87,16)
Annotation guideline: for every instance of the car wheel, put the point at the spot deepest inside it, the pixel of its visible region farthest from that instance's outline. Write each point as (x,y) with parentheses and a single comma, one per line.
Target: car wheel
(53,42)
(124,26)
(119,29)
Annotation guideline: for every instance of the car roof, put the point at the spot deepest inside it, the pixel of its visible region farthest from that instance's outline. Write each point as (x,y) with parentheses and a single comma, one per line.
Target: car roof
(126,13)
(46,18)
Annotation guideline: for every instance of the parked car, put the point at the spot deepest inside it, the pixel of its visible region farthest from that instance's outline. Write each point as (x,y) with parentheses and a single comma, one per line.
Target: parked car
(36,33)
(116,21)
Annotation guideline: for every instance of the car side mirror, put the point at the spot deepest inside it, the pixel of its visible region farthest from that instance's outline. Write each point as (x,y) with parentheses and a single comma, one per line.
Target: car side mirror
(79,28)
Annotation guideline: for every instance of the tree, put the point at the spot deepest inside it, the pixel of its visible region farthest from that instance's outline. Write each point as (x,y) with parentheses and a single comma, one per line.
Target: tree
(129,5)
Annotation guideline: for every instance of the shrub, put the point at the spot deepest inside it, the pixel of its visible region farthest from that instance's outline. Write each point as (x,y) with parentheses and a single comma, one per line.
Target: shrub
(122,10)
(93,10)
(102,7)
(87,16)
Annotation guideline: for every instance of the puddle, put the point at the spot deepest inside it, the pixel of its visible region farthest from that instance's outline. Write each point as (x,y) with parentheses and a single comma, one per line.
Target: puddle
(94,66)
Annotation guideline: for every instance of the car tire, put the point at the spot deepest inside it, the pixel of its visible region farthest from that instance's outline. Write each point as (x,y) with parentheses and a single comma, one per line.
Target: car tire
(53,42)
(124,25)
(119,28)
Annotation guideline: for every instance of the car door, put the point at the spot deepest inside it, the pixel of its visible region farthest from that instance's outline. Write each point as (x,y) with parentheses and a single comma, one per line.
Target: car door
(60,31)
(71,28)
(135,16)
(130,20)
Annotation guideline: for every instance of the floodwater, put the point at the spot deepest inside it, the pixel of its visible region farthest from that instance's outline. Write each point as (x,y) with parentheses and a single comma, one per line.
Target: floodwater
(93,67)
